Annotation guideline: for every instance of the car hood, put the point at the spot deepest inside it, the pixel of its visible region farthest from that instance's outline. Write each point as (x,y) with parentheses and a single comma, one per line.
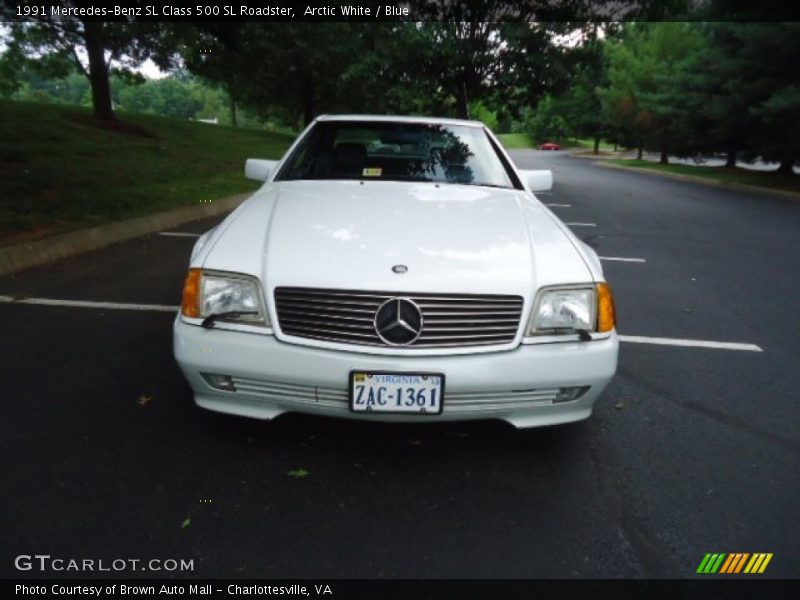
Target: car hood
(349,235)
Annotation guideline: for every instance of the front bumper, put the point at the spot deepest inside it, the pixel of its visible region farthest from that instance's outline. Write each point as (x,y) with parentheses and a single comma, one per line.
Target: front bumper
(274,377)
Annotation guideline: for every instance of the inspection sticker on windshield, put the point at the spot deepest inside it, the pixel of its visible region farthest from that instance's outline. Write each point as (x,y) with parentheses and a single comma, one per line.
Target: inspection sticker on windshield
(372,172)
(381,392)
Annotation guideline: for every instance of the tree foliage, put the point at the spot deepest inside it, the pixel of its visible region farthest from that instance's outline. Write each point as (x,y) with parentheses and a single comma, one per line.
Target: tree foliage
(52,43)
(678,88)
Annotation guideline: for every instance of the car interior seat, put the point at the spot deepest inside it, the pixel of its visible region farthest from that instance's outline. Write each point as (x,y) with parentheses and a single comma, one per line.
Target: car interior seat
(349,159)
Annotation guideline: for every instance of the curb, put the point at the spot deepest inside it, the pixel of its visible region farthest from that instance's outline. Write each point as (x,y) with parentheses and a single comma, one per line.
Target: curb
(591,155)
(739,187)
(25,255)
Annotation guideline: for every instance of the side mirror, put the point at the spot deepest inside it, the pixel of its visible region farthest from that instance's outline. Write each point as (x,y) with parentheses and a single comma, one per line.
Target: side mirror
(258,169)
(539,181)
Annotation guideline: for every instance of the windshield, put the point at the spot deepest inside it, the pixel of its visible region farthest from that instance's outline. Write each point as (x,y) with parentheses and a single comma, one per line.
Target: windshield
(397,152)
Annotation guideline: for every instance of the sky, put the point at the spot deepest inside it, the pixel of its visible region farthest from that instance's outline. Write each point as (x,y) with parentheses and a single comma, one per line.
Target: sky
(148,68)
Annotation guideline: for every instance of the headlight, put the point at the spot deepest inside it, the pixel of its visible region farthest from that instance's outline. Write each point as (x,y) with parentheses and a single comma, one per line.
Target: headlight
(566,310)
(212,293)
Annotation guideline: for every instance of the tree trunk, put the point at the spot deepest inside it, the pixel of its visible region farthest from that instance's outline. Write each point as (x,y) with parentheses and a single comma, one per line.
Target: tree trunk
(596,145)
(234,122)
(308,112)
(98,71)
(730,159)
(640,151)
(463,102)
(309,105)
(787,166)
(615,144)
(663,159)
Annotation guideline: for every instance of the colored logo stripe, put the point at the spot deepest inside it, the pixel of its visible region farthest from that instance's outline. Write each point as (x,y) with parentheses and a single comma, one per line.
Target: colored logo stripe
(758,563)
(734,562)
(710,563)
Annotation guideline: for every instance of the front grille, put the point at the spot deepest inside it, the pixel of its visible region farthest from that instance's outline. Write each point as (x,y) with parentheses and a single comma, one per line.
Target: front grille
(325,397)
(347,317)
(277,391)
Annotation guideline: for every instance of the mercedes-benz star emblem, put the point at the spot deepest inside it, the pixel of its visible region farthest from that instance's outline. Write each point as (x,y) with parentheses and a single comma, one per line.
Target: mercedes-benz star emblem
(398,321)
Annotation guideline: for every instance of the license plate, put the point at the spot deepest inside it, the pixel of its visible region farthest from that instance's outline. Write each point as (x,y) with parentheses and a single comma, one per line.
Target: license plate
(381,392)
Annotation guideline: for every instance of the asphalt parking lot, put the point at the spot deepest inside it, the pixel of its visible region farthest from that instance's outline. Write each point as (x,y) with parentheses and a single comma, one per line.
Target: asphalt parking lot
(693,448)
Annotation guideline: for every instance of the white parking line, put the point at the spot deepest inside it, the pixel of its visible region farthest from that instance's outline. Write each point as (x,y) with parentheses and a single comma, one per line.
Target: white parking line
(635,339)
(622,259)
(88,304)
(581,224)
(560,205)
(179,234)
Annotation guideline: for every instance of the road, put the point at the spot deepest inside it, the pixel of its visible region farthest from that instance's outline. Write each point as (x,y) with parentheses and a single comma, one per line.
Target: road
(692,449)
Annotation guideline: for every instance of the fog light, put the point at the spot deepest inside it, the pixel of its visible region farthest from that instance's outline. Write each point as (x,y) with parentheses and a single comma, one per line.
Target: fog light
(568,394)
(220,382)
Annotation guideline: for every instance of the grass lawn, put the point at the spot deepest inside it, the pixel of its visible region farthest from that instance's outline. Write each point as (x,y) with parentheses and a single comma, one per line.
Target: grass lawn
(516,141)
(61,170)
(764,179)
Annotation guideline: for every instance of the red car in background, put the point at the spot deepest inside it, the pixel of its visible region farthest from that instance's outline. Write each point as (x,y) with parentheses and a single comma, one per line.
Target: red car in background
(549,146)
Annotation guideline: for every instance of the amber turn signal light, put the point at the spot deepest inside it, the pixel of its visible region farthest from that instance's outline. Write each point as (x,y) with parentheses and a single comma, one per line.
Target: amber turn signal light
(606,318)
(190,304)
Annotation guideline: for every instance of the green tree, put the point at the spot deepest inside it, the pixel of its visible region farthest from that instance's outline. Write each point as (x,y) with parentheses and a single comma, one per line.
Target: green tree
(740,91)
(108,46)
(533,64)
(169,96)
(263,65)
(642,97)
(780,114)
(716,105)
(580,105)
(546,123)
(10,72)
(221,54)
(768,78)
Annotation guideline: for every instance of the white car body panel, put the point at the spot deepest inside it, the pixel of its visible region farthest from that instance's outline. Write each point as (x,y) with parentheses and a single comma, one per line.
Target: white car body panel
(538,181)
(295,232)
(259,169)
(312,380)
(347,234)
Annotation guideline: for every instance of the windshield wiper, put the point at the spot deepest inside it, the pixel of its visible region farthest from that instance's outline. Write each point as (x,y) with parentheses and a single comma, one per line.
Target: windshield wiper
(583,334)
(478,184)
(208,322)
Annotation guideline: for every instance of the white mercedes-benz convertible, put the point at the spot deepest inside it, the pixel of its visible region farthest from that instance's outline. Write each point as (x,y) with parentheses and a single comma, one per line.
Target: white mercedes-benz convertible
(396,269)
